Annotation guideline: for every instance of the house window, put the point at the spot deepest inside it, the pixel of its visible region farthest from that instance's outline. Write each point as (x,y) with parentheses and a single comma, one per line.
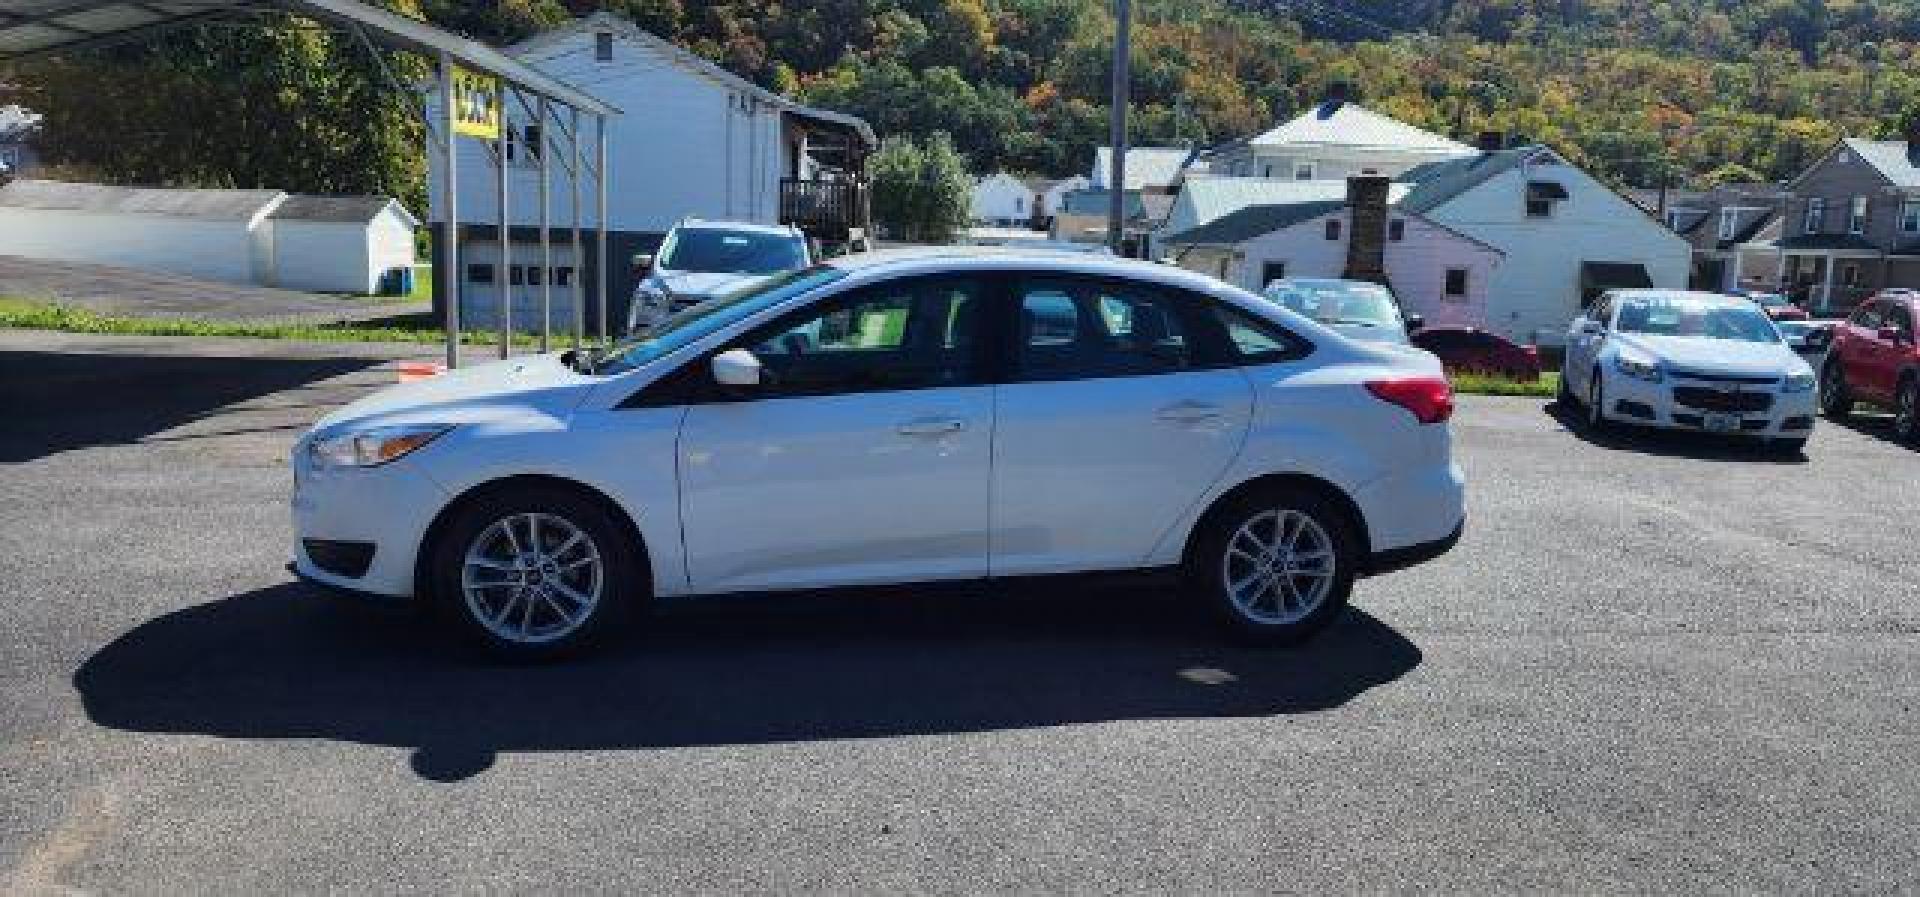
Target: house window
(563,277)
(479,273)
(1539,208)
(1857,215)
(1333,228)
(1272,271)
(1816,216)
(1910,217)
(1456,289)
(1397,230)
(1303,171)
(1728,217)
(603,46)
(516,275)
(531,137)
(1019,205)
(534,273)
(1266,171)
(1850,274)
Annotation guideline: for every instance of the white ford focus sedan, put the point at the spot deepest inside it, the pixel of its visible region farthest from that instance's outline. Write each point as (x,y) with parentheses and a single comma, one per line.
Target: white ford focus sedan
(893,418)
(1691,361)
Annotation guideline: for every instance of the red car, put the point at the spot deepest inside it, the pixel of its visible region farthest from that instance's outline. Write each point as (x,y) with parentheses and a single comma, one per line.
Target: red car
(1777,307)
(1873,359)
(1476,351)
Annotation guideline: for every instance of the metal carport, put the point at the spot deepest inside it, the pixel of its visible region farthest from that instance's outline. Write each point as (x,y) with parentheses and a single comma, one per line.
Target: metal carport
(32,28)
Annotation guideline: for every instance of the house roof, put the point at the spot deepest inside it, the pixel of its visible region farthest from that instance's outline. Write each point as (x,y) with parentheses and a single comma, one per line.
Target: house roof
(1820,242)
(1213,197)
(217,205)
(1147,166)
(1344,124)
(624,27)
(1751,230)
(1244,224)
(338,209)
(1897,160)
(1433,184)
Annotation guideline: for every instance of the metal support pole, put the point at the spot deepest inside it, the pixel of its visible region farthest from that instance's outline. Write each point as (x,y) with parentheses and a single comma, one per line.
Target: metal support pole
(577,282)
(501,281)
(448,274)
(600,220)
(1117,172)
(546,241)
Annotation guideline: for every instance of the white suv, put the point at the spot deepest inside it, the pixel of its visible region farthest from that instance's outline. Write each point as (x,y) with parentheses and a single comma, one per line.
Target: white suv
(891,418)
(701,260)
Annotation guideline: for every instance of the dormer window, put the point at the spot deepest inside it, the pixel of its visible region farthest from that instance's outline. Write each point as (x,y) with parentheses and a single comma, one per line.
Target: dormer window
(603,46)
(1541,197)
(1728,218)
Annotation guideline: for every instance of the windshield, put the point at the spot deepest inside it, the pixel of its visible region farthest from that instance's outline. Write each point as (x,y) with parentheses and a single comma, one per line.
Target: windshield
(690,324)
(1345,304)
(710,251)
(1691,317)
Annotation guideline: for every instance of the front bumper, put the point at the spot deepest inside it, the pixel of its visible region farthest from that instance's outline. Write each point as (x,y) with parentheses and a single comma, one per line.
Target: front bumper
(387,508)
(1787,415)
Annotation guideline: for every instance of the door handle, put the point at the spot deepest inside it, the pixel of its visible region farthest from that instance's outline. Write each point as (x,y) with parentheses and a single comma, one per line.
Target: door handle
(1190,412)
(932,426)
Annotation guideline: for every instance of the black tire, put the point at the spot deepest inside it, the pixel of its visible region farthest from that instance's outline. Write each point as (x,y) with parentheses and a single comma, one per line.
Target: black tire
(1596,403)
(1207,566)
(1906,410)
(622,581)
(1836,400)
(1563,394)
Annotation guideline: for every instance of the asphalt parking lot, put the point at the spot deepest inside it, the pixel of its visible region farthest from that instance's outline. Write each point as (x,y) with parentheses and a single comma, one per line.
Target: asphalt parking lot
(1652,664)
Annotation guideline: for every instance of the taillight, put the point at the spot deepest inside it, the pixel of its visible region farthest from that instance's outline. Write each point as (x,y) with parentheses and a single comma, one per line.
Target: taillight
(1429,398)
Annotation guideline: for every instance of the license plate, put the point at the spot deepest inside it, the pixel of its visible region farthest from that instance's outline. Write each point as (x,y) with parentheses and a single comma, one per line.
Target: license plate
(1723,423)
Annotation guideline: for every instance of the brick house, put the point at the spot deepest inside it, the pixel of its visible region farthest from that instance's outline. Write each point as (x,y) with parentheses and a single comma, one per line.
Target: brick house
(1852,223)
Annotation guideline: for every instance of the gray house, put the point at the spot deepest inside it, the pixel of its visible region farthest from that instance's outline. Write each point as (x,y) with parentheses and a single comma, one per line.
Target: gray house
(1734,230)
(1852,223)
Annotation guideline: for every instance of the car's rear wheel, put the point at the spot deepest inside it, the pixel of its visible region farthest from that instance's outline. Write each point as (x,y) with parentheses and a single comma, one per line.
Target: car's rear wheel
(1276,565)
(535,573)
(1836,400)
(1906,410)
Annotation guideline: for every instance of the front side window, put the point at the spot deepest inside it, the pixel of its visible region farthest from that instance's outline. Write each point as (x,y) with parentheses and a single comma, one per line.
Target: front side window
(908,334)
(1074,330)
(1687,316)
(691,324)
(713,251)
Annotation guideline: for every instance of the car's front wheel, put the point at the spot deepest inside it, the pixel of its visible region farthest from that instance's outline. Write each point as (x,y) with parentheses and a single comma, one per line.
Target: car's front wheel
(1275,565)
(1597,420)
(1836,400)
(535,573)
(1906,411)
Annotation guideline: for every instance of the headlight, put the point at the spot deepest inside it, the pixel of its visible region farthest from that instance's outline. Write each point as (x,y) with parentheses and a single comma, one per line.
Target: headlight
(1637,368)
(368,448)
(1797,382)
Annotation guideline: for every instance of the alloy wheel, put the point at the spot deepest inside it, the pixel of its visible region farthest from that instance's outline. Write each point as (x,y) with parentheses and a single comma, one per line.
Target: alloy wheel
(1278,567)
(530,578)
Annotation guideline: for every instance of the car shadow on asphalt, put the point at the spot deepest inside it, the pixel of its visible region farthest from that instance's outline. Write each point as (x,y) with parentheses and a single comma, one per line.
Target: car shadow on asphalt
(57,401)
(1874,424)
(290,661)
(1669,443)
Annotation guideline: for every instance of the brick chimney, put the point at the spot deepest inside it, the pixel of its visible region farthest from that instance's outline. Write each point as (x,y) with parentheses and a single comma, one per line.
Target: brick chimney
(1367,232)
(1491,142)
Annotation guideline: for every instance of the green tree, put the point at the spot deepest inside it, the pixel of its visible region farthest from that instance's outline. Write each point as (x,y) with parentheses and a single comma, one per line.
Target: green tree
(920,192)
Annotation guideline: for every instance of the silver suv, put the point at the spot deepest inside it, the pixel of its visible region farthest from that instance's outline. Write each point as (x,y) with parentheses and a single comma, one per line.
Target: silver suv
(700,260)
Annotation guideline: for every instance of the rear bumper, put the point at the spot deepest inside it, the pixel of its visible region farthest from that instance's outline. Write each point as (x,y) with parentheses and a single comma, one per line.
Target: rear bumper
(1401,558)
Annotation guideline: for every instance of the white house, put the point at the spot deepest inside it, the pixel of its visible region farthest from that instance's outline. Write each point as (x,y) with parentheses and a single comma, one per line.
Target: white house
(1437,272)
(339,244)
(1152,168)
(1001,198)
(694,140)
(1565,236)
(1333,141)
(1050,196)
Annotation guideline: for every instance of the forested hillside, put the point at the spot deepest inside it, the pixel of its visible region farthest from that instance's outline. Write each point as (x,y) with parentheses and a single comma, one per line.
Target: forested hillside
(1696,90)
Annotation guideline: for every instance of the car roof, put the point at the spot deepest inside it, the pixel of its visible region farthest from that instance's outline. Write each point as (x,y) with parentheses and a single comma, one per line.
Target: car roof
(900,261)
(778,230)
(1698,295)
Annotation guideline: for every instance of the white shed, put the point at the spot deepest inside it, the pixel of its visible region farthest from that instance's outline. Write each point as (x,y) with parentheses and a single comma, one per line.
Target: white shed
(337,244)
(199,233)
(1001,198)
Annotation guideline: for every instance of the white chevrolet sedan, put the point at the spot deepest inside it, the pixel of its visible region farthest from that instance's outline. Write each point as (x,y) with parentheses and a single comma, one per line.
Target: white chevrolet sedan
(1690,361)
(895,418)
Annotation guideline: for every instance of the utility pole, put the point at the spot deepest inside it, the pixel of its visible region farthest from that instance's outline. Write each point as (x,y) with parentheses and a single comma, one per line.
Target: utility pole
(1117,170)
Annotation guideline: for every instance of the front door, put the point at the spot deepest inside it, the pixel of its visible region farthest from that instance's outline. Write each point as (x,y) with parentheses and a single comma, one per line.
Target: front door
(1109,424)
(862,458)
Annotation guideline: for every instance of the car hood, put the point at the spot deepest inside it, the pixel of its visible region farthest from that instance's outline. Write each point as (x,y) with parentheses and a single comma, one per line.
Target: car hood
(531,384)
(703,283)
(1717,355)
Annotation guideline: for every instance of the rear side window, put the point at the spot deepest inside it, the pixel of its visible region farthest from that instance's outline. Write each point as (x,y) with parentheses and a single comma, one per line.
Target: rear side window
(1253,340)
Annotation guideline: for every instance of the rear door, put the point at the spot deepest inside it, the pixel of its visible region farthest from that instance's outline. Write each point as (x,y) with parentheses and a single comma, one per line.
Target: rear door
(1110,422)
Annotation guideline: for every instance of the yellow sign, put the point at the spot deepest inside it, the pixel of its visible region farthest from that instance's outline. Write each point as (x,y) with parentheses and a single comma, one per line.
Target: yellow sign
(476,105)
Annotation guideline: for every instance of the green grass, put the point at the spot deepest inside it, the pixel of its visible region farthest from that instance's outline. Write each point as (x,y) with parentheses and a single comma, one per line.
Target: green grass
(34,315)
(1491,385)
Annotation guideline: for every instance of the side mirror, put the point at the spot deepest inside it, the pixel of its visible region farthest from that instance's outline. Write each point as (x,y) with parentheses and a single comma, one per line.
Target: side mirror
(736,367)
(1415,322)
(642,263)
